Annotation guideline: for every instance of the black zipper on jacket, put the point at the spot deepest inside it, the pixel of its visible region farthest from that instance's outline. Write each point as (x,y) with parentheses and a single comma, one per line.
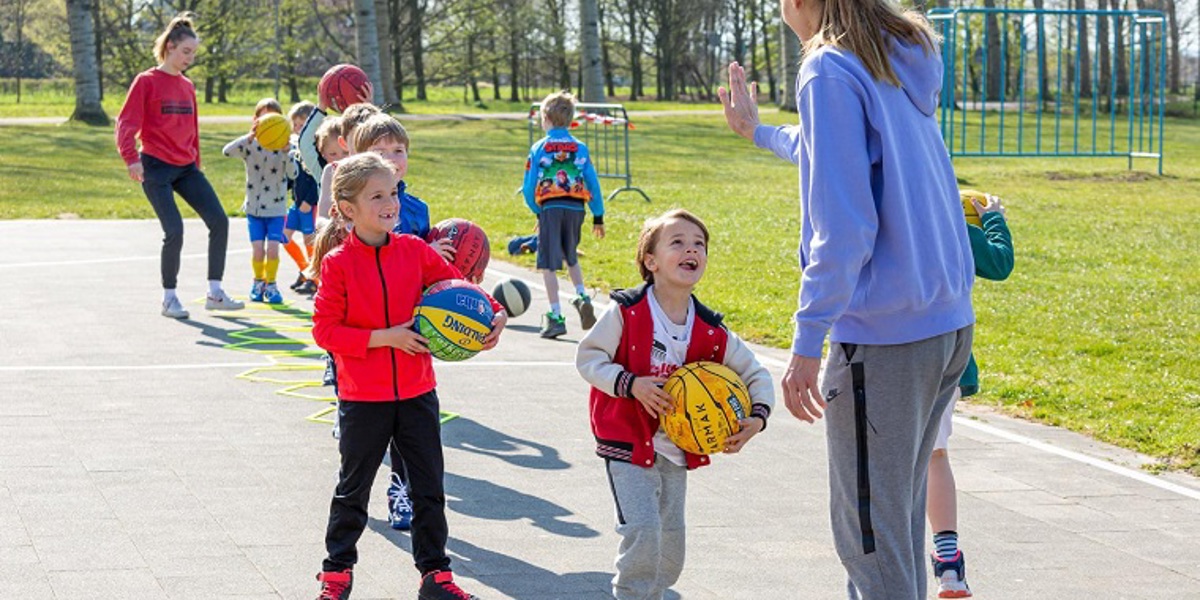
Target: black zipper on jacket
(387,320)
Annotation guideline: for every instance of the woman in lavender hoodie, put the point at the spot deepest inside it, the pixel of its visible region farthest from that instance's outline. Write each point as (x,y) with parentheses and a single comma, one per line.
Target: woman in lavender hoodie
(886,272)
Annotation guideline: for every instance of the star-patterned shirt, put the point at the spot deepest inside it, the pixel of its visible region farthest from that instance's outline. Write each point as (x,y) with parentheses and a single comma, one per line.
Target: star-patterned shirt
(267,175)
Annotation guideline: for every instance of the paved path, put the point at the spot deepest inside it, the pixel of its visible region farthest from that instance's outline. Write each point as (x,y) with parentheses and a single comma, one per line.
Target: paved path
(495,116)
(135,465)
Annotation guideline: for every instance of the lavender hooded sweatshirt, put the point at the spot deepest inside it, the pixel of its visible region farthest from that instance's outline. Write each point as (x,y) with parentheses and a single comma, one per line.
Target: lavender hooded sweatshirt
(884,253)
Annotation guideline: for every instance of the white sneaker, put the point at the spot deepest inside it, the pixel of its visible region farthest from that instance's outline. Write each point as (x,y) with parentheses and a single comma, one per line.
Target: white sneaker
(222,301)
(174,309)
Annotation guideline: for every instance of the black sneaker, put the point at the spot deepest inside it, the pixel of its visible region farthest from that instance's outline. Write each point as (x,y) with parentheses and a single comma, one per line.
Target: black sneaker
(553,325)
(587,313)
(335,585)
(308,288)
(299,281)
(439,585)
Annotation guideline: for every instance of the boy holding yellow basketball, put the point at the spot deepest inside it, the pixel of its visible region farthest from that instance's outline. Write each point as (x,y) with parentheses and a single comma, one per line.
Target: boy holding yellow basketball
(992,249)
(647,334)
(266,203)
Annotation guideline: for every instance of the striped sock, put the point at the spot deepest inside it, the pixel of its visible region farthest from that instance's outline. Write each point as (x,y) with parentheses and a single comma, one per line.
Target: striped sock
(946,545)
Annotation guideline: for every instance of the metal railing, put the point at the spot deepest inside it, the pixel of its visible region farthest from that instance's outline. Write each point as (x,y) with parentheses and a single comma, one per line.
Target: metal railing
(1052,83)
(604,129)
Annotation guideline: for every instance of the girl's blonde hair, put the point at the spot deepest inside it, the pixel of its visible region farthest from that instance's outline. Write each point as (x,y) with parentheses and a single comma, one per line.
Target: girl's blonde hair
(349,179)
(379,127)
(179,28)
(267,105)
(652,231)
(330,127)
(352,117)
(862,27)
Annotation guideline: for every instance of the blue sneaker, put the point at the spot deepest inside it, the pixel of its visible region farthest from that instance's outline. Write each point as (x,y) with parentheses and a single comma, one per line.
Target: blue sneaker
(951,576)
(271,294)
(256,292)
(399,507)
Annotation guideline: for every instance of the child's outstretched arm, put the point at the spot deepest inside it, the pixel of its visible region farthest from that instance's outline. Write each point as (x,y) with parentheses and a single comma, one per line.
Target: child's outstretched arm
(741,359)
(326,199)
(238,147)
(991,246)
(307,142)
(594,360)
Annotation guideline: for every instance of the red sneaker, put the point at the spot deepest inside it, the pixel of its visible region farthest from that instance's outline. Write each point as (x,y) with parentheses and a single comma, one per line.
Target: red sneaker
(335,585)
(439,585)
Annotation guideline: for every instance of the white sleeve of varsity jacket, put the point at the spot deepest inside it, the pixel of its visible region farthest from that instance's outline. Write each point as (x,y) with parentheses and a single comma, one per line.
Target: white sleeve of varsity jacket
(594,357)
(740,358)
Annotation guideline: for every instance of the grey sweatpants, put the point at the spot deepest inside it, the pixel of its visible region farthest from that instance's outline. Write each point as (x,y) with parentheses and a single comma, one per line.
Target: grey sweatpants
(650,511)
(885,404)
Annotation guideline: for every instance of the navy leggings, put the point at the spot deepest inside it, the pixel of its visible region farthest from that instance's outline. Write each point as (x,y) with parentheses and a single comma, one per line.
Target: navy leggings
(162,181)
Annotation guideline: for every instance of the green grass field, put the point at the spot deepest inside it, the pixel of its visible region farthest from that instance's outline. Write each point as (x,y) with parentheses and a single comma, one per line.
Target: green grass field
(56,98)
(1097,330)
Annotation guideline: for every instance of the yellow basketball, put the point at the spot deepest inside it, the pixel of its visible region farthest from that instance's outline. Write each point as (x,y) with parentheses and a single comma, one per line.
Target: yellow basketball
(273,131)
(709,400)
(969,209)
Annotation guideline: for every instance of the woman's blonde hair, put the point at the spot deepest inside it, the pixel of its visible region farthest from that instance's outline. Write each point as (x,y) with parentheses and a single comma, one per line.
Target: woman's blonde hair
(349,179)
(862,27)
(652,231)
(182,26)
(379,127)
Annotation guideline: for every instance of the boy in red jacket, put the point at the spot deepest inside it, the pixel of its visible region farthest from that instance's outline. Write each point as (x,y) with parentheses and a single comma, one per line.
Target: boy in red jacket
(363,314)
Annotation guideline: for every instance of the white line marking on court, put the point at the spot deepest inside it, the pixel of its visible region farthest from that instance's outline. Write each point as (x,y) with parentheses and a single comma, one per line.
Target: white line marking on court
(995,431)
(1146,478)
(97,261)
(19,369)
(506,363)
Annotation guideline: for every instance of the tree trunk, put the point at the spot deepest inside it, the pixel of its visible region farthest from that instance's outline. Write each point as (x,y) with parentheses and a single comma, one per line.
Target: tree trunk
(1085,53)
(83,55)
(738,19)
(1105,84)
(771,78)
(992,40)
(417,34)
(593,67)
(559,35)
(635,51)
(1043,66)
(1175,77)
(514,63)
(223,89)
(209,88)
(753,17)
(791,67)
(606,55)
(1122,66)
(397,47)
(20,45)
(366,45)
(97,24)
(387,81)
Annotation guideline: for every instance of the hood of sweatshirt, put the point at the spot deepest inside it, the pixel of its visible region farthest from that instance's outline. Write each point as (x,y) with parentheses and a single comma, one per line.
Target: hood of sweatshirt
(919,72)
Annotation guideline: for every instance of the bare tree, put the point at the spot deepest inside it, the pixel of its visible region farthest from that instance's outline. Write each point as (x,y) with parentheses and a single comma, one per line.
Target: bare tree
(593,68)
(383,19)
(1085,62)
(791,67)
(366,37)
(1176,57)
(764,14)
(83,54)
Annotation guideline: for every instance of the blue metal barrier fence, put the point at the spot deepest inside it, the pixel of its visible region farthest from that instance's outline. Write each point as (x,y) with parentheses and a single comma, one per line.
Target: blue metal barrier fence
(1052,83)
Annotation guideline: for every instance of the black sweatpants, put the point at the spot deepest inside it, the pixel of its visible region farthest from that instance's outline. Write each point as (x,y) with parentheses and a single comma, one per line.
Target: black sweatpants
(367,428)
(162,180)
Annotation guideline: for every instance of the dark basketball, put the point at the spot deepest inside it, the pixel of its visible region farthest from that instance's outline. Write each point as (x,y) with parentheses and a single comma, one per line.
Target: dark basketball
(471,245)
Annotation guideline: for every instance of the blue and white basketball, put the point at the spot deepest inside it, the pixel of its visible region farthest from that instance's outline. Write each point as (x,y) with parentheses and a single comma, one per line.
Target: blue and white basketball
(455,316)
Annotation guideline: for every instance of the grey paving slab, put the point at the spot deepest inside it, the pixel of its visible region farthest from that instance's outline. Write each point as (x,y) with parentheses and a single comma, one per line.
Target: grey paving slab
(134,464)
